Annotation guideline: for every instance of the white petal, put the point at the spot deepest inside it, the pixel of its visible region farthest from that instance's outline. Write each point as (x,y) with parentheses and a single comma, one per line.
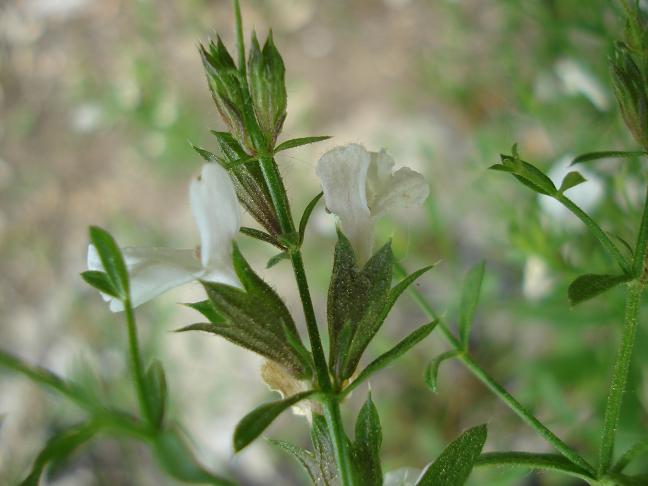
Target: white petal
(379,175)
(405,476)
(152,271)
(218,215)
(406,188)
(343,175)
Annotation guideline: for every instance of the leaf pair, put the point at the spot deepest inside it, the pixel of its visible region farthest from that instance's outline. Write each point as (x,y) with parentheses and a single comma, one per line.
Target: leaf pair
(358,303)
(255,318)
(113,280)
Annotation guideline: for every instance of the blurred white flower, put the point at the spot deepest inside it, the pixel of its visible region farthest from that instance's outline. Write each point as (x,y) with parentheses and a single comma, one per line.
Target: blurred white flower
(217,213)
(577,80)
(405,476)
(537,283)
(359,186)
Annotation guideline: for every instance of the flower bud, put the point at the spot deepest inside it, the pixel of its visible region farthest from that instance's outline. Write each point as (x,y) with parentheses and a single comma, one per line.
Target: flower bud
(266,72)
(225,86)
(630,91)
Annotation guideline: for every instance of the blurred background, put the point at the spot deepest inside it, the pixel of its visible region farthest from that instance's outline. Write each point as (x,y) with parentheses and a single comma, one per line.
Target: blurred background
(98,103)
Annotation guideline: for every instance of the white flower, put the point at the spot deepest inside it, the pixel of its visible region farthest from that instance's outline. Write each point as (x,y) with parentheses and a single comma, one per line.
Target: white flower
(359,186)
(153,271)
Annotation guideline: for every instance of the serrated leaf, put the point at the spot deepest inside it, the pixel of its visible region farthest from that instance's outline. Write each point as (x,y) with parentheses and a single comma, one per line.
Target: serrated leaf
(255,422)
(100,281)
(572,179)
(453,466)
(303,222)
(366,447)
(60,446)
(469,299)
(111,260)
(206,308)
(590,285)
(432,370)
(607,154)
(284,255)
(297,142)
(174,455)
(396,352)
(156,388)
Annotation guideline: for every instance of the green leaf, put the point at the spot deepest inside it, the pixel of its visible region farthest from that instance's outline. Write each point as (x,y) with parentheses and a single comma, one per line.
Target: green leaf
(366,447)
(432,370)
(283,255)
(206,308)
(306,216)
(551,462)
(156,388)
(469,299)
(111,260)
(526,173)
(637,450)
(572,179)
(590,285)
(297,142)
(261,236)
(100,281)
(607,154)
(455,463)
(396,352)
(255,422)
(305,458)
(324,451)
(60,446)
(174,455)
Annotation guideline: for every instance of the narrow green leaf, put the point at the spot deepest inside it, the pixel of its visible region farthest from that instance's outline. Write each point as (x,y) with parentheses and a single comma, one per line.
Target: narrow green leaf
(255,422)
(304,457)
(617,154)
(297,142)
(111,259)
(469,299)
(156,388)
(366,447)
(526,173)
(551,462)
(393,354)
(206,308)
(60,446)
(306,216)
(590,285)
(100,281)
(207,155)
(432,370)
(262,236)
(637,450)
(572,179)
(455,463)
(283,255)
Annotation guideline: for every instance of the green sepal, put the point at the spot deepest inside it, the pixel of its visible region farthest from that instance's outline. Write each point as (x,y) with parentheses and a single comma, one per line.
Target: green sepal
(206,308)
(453,466)
(59,447)
(607,154)
(255,422)
(572,179)
(366,447)
(298,142)
(432,370)
(470,293)
(100,281)
(262,236)
(156,388)
(111,260)
(526,173)
(590,285)
(303,222)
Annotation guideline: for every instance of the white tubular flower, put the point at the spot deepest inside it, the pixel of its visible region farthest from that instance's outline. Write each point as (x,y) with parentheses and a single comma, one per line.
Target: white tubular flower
(359,186)
(153,271)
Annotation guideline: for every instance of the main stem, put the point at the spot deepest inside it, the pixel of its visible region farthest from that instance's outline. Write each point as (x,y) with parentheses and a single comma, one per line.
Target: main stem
(519,409)
(135,359)
(620,376)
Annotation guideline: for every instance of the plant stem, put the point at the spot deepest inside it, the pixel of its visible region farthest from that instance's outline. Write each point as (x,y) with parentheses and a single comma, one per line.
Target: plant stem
(596,230)
(339,439)
(526,416)
(620,376)
(136,366)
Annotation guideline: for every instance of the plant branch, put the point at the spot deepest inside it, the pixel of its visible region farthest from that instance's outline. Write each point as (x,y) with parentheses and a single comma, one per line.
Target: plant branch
(619,379)
(552,462)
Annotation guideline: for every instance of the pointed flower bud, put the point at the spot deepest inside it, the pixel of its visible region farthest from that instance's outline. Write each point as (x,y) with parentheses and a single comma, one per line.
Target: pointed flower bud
(266,73)
(630,91)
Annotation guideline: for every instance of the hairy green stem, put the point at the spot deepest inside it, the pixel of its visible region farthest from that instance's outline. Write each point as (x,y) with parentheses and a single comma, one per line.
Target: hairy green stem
(526,416)
(339,439)
(620,376)
(136,366)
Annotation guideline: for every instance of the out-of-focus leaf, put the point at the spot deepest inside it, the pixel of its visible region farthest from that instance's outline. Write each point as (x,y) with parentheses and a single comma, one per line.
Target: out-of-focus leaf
(455,463)
(469,298)
(100,281)
(111,260)
(526,173)
(297,142)
(156,388)
(255,422)
(366,447)
(607,154)
(590,285)
(572,179)
(284,255)
(432,370)
(306,216)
